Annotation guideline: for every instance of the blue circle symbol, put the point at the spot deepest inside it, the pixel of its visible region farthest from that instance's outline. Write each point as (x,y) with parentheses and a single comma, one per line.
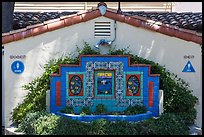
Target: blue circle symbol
(17,67)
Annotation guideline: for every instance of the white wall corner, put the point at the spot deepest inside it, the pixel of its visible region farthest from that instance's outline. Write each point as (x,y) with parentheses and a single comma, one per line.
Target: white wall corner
(48,101)
(161,97)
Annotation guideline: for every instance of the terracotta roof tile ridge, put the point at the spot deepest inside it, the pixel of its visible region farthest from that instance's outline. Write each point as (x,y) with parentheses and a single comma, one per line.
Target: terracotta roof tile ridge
(159,23)
(49,25)
(137,21)
(149,24)
(49,21)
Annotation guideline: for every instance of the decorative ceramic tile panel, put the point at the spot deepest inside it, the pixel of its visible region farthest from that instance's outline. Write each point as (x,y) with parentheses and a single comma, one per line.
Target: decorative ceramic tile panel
(108,80)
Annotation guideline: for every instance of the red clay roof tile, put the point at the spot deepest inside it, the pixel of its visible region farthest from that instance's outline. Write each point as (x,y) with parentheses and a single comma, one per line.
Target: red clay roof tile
(77,19)
(7,39)
(68,22)
(131,21)
(27,33)
(39,30)
(90,15)
(115,16)
(18,36)
(56,25)
(196,39)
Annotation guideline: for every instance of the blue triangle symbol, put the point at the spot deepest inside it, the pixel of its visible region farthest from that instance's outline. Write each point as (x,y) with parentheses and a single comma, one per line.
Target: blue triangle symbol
(188,67)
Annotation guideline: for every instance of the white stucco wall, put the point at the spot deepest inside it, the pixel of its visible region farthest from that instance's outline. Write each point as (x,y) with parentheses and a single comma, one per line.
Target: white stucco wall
(168,51)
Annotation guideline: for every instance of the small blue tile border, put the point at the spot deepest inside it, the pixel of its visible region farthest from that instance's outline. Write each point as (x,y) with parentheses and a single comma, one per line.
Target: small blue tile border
(89,118)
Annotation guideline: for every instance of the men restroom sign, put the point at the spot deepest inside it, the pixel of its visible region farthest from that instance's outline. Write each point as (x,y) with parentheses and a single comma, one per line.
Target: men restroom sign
(188,67)
(17,67)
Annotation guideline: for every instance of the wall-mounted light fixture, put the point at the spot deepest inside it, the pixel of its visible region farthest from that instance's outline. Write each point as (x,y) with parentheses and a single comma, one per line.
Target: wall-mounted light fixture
(103,42)
(102,7)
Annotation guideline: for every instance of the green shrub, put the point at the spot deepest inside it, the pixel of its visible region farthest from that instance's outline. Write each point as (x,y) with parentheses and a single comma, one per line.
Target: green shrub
(87,50)
(28,125)
(66,126)
(46,124)
(123,128)
(43,123)
(68,110)
(137,109)
(98,127)
(100,109)
(85,111)
(168,124)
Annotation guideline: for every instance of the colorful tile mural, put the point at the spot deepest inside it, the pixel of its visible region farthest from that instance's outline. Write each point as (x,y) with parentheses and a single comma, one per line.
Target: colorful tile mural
(109,80)
(103,83)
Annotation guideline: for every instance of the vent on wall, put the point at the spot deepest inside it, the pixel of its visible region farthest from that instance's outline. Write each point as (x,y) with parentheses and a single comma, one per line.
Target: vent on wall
(102,29)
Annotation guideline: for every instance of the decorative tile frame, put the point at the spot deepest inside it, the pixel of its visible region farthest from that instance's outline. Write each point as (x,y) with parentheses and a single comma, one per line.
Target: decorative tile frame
(70,82)
(134,87)
(149,84)
(67,82)
(95,92)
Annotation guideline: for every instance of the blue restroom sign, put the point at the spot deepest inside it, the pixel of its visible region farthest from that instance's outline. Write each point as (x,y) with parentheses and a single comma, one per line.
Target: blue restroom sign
(17,67)
(188,67)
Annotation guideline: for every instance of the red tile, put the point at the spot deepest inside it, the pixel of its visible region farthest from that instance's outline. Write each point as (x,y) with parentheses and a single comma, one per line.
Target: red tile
(183,35)
(18,36)
(27,33)
(170,31)
(151,103)
(132,21)
(167,31)
(68,21)
(7,39)
(110,15)
(54,75)
(90,15)
(39,30)
(120,17)
(58,93)
(161,29)
(197,39)
(151,93)
(145,25)
(56,25)
(77,19)
(139,18)
(115,16)
(155,27)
